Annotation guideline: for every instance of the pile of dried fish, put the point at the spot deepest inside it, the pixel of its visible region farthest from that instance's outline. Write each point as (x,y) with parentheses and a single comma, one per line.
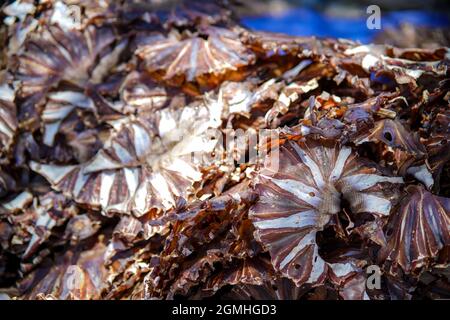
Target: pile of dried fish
(173,154)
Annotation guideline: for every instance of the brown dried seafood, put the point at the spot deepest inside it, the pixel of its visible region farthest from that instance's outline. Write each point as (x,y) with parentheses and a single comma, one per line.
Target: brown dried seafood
(53,55)
(214,51)
(8,119)
(74,275)
(148,162)
(419,231)
(166,152)
(301,194)
(33,220)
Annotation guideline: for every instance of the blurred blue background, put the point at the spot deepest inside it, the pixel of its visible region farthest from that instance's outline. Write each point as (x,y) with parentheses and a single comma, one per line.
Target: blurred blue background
(345,20)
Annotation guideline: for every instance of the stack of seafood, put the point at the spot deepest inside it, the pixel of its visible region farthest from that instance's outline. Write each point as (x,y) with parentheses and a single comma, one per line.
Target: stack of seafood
(153,153)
